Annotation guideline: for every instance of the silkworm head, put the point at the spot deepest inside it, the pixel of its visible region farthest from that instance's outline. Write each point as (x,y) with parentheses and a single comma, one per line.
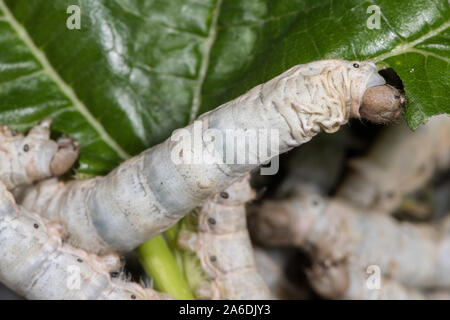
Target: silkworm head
(329,280)
(382,104)
(361,76)
(65,156)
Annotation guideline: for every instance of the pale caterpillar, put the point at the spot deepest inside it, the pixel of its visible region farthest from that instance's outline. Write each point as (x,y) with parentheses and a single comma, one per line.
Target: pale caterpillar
(25,159)
(343,280)
(150,192)
(400,162)
(317,165)
(223,245)
(415,255)
(34,262)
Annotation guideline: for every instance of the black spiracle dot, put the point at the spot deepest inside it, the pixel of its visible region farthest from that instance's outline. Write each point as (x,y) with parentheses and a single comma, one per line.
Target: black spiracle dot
(36,226)
(212,221)
(133,297)
(213,258)
(114,274)
(80,260)
(26,147)
(224,195)
(356,65)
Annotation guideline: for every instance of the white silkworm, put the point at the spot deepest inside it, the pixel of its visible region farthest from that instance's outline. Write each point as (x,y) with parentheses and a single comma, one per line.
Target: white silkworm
(317,165)
(271,272)
(25,159)
(400,162)
(34,261)
(36,264)
(415,255)
(223,246)
(150,192)
(342,280)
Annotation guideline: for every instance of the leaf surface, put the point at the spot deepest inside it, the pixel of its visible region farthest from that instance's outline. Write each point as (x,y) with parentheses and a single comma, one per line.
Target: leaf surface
(137,70)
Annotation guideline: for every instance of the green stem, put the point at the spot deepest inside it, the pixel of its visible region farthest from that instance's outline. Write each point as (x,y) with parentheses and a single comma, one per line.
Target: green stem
(160,264)
(172,235)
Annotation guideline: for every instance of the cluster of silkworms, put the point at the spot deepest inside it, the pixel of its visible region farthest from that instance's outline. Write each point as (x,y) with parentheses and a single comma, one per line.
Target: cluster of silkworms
(83,224)
(34,260)
(223,246)
(352,237)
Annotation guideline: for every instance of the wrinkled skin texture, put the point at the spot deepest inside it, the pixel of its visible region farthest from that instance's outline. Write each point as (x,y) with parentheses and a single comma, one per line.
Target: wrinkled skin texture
(34,261)
(333,231)
(224,247)
(150,192)
(25,159)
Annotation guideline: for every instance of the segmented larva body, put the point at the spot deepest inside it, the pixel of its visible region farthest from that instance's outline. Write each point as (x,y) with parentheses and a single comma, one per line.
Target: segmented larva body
(223,246)
(343,280)
(36,264)
(400,162)
(415,255)
(317,165)
(25,159)
(150,192)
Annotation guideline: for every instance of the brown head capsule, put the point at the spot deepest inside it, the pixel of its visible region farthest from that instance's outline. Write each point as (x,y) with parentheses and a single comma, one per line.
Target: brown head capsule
(65,157)
(382,104)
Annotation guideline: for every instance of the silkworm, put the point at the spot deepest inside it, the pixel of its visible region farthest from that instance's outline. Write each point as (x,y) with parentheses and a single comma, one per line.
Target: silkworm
(270,271)
(35,263)
(342,280)
(316,165)
(25,159)
(150,192)
(382,104)
(223,246)
(400,162)
(415,255)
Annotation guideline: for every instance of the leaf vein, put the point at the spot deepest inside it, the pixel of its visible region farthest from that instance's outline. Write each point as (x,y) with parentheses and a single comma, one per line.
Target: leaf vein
(406,47)
(197,100)
(64,87)
(430,54)
(22,77)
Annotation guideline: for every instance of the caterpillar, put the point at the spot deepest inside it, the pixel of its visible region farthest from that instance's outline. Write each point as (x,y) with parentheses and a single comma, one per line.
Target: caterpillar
(223,246)
(343,280)
(336,230)
(34,261)
(317,165)
(25,159)
(150,192)
(379,180)
(37,265)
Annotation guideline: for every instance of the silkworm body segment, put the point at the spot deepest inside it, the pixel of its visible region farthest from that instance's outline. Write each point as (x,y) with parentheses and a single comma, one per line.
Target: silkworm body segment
(150,192)
(224,248)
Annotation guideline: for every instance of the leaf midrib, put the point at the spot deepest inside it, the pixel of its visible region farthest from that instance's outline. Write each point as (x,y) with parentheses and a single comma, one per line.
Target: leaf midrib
(63,86)
(210,39)
(402,48)
(408,47)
